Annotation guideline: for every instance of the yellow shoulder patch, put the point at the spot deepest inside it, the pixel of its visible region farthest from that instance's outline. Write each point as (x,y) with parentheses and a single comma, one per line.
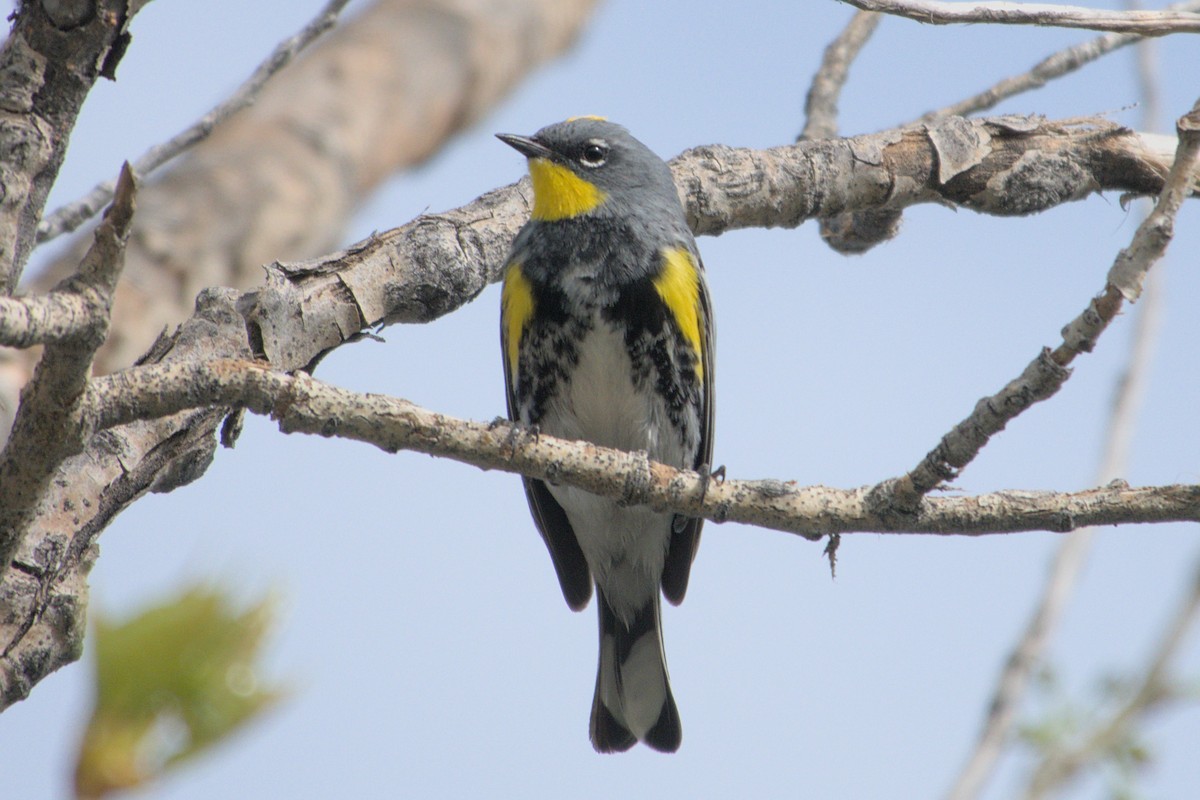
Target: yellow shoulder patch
(679,288)
(558,193)
(516,309)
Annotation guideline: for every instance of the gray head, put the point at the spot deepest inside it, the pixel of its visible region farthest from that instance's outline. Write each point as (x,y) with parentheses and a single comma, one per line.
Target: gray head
(588,165)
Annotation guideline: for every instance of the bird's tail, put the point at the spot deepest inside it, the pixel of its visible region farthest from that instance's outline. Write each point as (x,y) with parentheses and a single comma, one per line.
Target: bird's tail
(633,699)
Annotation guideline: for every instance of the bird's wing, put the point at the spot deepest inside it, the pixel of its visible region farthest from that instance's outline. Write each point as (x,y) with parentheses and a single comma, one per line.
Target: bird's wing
(516,307)
(685,533)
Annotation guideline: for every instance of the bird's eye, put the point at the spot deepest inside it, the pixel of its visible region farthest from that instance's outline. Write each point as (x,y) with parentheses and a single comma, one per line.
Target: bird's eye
(594,153)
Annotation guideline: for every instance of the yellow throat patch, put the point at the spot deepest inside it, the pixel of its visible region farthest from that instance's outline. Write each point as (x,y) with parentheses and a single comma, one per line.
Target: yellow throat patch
(679,288)
(558,193)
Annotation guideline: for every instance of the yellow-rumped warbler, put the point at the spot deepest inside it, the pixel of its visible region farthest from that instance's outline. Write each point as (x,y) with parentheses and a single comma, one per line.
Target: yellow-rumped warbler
(607,336)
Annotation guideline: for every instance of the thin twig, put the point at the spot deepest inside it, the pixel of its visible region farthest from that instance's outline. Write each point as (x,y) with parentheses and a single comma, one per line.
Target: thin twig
(1054,66)
(820,105)
(1044,375)
(68,217)
(1066,565)
(1144,23)
(1068,560)
(1131,384)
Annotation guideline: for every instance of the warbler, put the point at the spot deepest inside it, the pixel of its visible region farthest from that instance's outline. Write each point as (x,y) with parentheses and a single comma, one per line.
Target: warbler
(607,336)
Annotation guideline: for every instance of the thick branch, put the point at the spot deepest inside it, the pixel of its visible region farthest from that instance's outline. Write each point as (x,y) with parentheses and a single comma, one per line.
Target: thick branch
(859,231)
(55,52)
(48,426)
(1003,166)
(318,138)
(433,265)
(280,179)
(1143,23)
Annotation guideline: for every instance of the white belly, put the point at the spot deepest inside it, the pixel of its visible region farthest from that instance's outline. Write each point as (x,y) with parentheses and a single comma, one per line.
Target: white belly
(625,547)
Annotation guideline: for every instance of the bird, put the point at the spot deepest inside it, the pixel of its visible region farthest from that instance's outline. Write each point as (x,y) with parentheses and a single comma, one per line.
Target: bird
(607,336)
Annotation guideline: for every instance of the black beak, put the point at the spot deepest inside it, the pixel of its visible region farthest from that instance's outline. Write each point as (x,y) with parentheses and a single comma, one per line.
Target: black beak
(525,146)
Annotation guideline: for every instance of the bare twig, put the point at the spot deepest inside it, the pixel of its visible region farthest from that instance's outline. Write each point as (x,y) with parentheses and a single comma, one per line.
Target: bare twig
(1143,23)
(1046,373)
(1155,232)
(70,216)
(50,424)
(1051,67)
(1066,565)
(1071,554)
(820,106)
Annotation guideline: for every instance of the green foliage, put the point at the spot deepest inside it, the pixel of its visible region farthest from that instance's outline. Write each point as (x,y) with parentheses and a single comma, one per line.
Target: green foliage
(170,682)
(1099,734)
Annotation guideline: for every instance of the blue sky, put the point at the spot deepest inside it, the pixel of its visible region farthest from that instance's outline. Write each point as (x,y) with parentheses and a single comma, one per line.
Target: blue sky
(422,629)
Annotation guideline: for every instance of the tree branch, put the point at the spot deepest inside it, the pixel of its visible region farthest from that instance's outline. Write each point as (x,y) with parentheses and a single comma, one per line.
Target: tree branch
(820,105)
(1003,166)
(1053,66)
(859,231)
(55,52)
(280,179)
(1044,375)
(70,216)
(49,423)
(438,262)
(1143,23)
(302,404)
(1062,576)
